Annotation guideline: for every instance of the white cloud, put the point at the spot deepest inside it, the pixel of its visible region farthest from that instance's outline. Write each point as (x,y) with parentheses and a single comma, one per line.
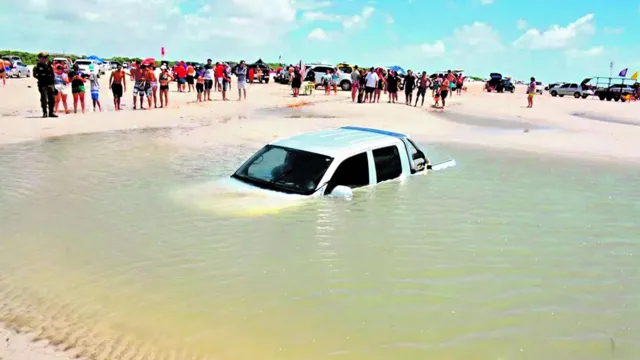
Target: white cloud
(522,24)
(476,38)
(591,52)
(220,28)
(318,34)
(311,16)
(558,37)
(487,2)
(359,20)
(432,50)
(389,19)
(613,30)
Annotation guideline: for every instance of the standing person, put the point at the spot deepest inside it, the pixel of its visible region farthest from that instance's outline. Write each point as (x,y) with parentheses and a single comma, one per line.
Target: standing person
(325,79)
(95,91)
(409,84)
(61,84)
(3,72)
(77,90)
(259,74)
(531,90)
(137,74)
(444,90)
(355,83)
(153,82)
(200,85)
(379,87)
(181,75)
(164,80)
(190,76)
(451,78)
(423,84)
(226,80)
(218,76)
(296,81)
(208,79)
(335,78)
(118,85)
(460,84)
(148,81)
(241,73)
(43,71)
(371,83)
(392,86)
(229,71)
(251,73)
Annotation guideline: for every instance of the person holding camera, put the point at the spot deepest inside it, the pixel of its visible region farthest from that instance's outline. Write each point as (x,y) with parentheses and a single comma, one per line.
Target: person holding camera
(43,71)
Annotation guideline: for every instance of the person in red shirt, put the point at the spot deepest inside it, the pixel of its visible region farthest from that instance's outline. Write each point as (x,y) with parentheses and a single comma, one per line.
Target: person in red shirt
(181,73)
(218,75)
(250,74)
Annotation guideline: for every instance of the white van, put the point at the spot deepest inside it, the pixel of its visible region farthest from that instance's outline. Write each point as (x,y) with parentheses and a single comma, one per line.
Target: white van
(85,64)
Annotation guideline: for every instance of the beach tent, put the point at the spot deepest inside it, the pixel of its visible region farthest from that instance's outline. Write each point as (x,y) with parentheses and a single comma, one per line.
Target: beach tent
(258,63)
(95,58)
(398,69)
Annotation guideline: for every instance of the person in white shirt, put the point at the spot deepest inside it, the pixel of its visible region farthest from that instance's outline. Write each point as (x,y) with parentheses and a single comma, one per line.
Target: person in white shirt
(370,85)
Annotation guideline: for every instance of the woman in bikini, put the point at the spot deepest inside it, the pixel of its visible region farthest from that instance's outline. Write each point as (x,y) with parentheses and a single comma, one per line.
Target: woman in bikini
(381,85)
(78,90)
(164,80)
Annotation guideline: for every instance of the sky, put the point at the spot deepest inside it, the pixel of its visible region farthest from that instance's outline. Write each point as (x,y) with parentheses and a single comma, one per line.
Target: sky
(550,40)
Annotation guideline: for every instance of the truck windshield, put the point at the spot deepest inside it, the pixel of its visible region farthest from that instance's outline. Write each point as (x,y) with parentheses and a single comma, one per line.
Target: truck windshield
(284,169)
(83,62)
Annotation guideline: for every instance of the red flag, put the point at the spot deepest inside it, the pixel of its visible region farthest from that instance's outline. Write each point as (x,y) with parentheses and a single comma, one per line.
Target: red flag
(162,51)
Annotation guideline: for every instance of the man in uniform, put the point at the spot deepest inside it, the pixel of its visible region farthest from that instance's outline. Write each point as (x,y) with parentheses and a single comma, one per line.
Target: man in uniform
(43,71)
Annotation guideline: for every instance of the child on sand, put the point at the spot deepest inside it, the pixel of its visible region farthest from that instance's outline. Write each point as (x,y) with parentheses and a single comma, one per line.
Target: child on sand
(95,91)
(436,97)
(200,84)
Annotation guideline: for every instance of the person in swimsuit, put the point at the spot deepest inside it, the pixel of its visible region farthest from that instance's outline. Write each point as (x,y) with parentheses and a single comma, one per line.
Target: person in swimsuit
(95,91)
(392,86)
(3,72)
(149,77)
(335,78)
(164,80)
(139,75)
(531,90)
(191,72)
(199,84)
(61,84)
(78,90)
(208,74)
(460,84)
(423,84)
(118,85)
(444,90)
(355,83)
(379,87)
(153,81)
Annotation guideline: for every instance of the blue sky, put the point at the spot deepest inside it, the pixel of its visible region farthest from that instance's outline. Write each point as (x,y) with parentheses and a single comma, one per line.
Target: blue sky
(553,41)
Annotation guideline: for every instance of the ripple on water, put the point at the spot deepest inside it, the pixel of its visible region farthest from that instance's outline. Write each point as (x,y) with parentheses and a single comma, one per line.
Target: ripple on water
(496,257)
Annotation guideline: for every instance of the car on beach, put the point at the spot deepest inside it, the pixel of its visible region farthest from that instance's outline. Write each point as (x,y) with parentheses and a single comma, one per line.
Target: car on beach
(573,89)
(344,80)
(332,162)
(85,66)
(18,70)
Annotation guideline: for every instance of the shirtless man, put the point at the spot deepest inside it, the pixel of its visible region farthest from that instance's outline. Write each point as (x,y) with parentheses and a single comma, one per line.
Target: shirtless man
(118,85)
(139,75)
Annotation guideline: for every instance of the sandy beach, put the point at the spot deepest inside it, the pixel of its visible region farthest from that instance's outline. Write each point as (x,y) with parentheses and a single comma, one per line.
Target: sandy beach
(558,127)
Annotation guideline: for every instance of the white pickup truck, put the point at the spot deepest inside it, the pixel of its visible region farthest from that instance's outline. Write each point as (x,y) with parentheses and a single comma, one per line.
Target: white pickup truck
(87,66)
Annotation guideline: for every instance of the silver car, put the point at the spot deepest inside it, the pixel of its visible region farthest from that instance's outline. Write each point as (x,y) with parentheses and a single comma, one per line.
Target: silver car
(19,69)
(573,89)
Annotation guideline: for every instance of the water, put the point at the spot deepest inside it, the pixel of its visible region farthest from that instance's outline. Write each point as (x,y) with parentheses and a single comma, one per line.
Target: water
(507,256)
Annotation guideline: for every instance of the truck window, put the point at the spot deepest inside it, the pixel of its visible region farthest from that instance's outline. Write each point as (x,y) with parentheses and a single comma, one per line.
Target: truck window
(388,164)
(564,86)
(352,172)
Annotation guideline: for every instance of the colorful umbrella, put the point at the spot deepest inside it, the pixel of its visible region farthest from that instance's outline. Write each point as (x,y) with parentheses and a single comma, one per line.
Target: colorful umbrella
(149,61)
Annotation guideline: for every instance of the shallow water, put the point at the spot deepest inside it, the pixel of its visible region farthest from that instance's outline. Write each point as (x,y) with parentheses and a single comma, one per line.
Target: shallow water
(507,256)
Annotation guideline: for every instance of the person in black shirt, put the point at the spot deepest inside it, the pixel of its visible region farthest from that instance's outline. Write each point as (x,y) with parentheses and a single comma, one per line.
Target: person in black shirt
(409,84)
(43,71)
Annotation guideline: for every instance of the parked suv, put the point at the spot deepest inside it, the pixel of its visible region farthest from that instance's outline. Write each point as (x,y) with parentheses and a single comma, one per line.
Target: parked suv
(85,64)
(615,92)
(320,69)
(578,91)
(18,69)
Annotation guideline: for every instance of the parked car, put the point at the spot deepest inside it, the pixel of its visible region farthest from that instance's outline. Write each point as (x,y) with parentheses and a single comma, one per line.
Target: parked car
(64,62)
(507,86)
(11,58)
(577,91)
(85,65)
(344,81)
(551,86)
(19,69)
(331,162)
(539,88)
(498,84)
(616,92)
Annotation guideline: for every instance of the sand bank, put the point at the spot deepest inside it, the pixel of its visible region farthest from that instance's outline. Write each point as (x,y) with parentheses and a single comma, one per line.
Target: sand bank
(588,129)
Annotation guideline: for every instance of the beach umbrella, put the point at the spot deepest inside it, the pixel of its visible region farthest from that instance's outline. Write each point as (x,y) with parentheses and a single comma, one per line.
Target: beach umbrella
(398,69)
(149,61)
(95,58)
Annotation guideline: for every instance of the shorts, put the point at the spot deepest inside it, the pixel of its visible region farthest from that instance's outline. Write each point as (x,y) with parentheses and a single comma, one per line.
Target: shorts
(242,84)
(95,94)
(355,85)
(208,84)
(77,89)
(531,94)
(148,90)
(408,90)
(138,88)
(190,79)
(225,85)
(421,91)
(181,81)
(444,93)
(369,89)
(220,80)
(200,88)
(154,85)
(116,89)
(62,89)
(164,87)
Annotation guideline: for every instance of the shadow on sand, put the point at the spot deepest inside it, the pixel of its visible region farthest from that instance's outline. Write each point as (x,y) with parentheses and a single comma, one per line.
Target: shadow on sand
(607,119)
(490,124)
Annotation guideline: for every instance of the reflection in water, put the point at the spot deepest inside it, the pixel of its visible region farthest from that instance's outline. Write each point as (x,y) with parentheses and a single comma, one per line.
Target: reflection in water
(506,256)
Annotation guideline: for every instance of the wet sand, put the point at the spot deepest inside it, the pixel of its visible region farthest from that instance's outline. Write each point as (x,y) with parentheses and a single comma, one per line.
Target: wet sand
(586,129)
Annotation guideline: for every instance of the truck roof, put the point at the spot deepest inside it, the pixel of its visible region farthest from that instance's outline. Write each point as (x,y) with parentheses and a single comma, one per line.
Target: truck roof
(342,141)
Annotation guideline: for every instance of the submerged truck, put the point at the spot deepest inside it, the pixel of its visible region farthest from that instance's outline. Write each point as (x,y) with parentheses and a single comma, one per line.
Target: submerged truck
(612,88)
